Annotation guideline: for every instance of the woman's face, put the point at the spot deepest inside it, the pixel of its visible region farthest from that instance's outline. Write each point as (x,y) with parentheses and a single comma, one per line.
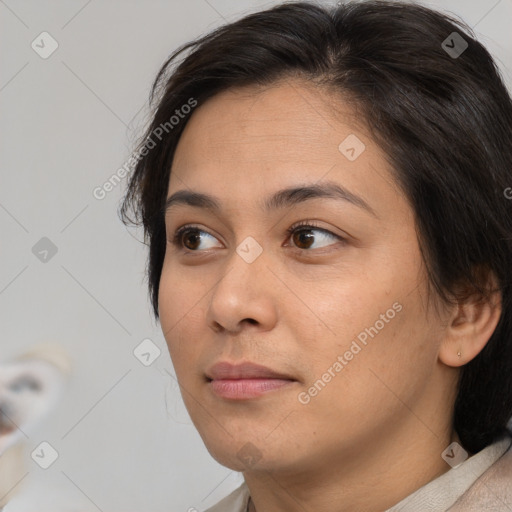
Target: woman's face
(339,309)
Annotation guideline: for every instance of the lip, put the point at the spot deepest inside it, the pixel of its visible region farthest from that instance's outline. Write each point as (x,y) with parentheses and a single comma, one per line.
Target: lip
(246,380)
(247,370)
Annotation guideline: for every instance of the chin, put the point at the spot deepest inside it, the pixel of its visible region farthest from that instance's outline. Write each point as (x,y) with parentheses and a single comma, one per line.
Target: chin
(245,452)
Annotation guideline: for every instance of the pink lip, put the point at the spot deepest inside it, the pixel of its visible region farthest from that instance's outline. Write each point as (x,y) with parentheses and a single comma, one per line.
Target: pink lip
(245,381)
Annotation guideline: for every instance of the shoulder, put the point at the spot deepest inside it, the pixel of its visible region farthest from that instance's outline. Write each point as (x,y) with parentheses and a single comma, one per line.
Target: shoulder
(234,502)
(492,490)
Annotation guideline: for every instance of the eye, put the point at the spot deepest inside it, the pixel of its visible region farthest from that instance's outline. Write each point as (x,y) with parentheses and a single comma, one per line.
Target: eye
(190,237)
(301,235)
(189,234)
(25,382)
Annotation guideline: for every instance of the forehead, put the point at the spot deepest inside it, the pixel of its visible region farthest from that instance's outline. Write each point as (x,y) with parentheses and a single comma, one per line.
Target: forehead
(253,141)
(289,119)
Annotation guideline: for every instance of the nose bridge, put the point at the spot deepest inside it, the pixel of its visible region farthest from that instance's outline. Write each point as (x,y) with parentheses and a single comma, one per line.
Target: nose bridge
(242,293)
(243,270)
(249,250)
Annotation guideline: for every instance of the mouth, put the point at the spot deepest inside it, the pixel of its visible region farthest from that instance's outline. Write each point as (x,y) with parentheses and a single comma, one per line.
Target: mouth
(245,381)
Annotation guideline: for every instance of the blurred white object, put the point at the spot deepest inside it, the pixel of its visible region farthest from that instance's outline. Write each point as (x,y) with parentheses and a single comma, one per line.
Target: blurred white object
(30,387)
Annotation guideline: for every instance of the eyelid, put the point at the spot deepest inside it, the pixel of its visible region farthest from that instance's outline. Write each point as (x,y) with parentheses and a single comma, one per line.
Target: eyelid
(181,230)
(305,224)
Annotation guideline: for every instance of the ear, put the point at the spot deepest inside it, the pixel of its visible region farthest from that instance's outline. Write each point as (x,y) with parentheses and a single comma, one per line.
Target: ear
(471,325)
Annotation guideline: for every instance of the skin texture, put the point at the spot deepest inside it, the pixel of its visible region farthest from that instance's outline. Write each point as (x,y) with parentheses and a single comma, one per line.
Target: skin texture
(376,431)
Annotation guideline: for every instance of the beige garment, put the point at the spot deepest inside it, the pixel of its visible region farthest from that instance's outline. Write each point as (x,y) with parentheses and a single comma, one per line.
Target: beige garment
(481,483)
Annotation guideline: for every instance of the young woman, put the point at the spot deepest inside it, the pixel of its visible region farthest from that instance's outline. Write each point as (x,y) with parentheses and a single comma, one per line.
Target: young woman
(326,194)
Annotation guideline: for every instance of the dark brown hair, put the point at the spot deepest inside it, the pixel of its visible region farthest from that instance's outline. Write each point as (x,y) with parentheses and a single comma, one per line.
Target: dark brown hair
(443,120)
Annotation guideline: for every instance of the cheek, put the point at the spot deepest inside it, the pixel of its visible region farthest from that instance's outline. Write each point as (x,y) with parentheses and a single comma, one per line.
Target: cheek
(377,340)
(389,368)
(181,318)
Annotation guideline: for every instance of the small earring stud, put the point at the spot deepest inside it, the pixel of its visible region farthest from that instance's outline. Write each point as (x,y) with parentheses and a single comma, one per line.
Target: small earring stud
(458,354)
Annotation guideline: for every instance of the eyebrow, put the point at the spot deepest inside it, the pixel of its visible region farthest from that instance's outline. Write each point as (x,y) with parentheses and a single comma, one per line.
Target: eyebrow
(281,199)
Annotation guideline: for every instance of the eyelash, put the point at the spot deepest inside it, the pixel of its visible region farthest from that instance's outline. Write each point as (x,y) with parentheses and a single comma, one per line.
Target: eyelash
(303,226)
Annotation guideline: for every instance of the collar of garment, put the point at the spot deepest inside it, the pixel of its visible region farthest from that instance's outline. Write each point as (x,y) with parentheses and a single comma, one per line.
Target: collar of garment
(483,480)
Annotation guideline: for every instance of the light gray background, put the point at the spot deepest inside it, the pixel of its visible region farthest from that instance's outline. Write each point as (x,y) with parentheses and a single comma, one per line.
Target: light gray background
(67,124)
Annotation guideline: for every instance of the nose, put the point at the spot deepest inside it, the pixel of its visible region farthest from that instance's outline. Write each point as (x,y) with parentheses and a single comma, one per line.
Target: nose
(245,294)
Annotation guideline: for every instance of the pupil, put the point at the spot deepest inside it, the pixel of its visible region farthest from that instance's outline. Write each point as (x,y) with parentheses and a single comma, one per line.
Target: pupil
(305,237)
(192,236)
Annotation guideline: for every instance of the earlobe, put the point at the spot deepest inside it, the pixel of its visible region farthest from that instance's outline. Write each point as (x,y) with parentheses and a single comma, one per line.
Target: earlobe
(471,326)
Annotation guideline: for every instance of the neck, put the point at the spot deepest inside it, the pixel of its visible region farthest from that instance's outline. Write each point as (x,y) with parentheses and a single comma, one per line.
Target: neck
(372,479)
